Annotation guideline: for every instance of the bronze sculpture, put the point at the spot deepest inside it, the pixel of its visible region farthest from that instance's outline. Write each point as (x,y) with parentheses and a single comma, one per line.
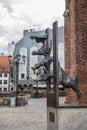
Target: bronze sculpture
(46,62)
(66,80)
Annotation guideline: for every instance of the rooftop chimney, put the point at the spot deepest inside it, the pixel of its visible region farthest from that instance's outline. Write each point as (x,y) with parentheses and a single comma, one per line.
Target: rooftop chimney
(2,54)
(25,32)
(13,42)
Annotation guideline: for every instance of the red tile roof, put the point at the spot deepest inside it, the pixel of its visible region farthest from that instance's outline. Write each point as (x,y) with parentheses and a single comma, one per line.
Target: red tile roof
(4,64)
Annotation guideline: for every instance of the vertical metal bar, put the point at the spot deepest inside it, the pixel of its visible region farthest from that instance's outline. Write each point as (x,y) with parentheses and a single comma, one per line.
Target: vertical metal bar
(52,96)
(55,62)
(17,71)
(49,99)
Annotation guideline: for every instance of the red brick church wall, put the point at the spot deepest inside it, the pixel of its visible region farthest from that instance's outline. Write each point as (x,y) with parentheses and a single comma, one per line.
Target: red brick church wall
(76,46)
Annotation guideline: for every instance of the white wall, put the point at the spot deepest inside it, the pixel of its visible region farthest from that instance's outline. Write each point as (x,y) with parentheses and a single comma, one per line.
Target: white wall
(61,54)
(4,85)
(11,48)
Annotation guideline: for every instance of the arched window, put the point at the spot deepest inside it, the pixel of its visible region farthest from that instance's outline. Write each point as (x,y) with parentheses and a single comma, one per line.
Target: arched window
(22,65)
(33,60)
(61,54)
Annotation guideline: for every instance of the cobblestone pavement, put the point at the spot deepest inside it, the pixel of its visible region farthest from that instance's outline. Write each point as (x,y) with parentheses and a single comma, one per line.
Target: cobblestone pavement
(29,117)
(72,119)
(34,117)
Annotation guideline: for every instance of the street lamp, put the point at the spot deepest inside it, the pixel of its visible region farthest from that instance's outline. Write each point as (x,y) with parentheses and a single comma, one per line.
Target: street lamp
(11,71)
(23,58)
(16,60)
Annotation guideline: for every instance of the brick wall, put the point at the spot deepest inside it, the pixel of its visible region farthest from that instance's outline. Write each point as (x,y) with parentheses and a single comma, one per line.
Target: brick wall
(76,46)
(67,38)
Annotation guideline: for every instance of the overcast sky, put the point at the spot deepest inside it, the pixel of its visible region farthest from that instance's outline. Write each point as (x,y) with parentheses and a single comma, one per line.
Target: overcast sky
(19,15)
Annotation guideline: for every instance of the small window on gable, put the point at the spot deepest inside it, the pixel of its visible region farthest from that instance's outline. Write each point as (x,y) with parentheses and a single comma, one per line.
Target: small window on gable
(22,76)
(0,74)
(0,81)
(5,74)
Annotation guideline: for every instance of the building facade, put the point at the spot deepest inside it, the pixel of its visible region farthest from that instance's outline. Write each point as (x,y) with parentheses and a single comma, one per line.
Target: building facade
(76,46)
(4,73)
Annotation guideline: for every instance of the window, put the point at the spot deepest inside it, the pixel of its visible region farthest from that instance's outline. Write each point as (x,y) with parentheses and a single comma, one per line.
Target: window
(0,74)
(5,89)
(5,74)
(22,75)
(0,89)
(5,81)
(0,81)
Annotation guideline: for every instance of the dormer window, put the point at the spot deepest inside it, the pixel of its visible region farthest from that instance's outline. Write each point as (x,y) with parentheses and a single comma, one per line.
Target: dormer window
(22,76)
(5,74)
(0,74)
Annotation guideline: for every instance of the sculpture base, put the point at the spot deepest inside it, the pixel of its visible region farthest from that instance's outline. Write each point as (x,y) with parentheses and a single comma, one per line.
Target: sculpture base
(73,106)
(52,118)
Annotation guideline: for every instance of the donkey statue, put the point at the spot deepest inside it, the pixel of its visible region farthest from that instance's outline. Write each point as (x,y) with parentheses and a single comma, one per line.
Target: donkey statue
(68,81)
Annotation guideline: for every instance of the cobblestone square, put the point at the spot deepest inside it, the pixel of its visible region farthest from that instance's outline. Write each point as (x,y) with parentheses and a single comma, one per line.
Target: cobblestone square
(34,117)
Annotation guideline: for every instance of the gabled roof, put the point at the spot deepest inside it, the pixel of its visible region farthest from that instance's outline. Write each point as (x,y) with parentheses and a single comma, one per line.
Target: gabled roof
(4,64)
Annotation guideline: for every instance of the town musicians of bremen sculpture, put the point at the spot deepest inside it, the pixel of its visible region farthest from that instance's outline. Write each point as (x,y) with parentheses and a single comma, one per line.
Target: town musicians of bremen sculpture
(68,81)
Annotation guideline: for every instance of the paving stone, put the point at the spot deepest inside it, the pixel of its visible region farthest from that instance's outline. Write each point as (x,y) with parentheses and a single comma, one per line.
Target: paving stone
(34,117)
